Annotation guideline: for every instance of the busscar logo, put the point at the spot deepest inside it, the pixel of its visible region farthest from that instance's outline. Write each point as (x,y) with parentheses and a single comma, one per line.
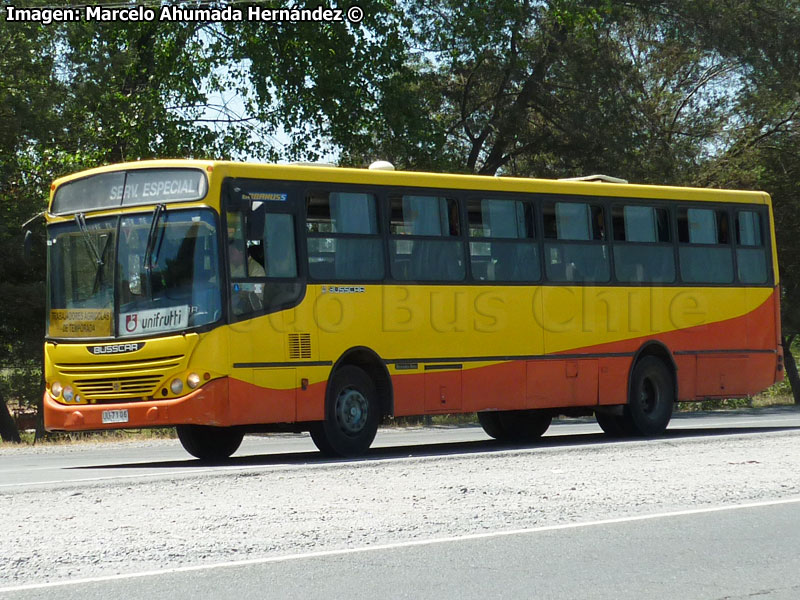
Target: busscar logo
(115,348)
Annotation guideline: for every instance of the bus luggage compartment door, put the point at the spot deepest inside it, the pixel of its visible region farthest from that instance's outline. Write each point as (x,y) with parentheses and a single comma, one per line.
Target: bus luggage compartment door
(442,388)
(561,383)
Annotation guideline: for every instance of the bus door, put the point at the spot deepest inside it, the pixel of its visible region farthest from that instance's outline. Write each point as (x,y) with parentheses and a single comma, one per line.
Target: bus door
(264,282)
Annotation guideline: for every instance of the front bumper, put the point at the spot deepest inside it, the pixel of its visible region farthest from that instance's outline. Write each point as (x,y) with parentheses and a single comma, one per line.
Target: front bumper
(207,405)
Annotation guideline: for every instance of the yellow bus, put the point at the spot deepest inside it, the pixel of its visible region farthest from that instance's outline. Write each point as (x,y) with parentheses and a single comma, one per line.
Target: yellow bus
(228,298)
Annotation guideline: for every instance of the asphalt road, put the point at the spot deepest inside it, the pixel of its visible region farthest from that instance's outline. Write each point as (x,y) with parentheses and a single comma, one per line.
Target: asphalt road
(727,549)
(100,462)
(735,553)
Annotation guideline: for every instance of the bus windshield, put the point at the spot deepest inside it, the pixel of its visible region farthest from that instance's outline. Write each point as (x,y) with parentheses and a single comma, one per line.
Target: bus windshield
(133,275)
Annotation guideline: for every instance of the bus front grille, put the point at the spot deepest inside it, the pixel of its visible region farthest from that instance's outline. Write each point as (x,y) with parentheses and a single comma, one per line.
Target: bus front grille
(120,381)
(119,387)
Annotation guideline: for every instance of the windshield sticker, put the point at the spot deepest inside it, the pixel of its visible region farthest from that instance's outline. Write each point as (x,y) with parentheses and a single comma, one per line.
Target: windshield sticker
(145,322)
(76,323)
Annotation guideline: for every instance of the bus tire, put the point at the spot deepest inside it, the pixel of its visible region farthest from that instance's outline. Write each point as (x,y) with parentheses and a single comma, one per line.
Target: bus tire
(490,421)
(352,414)
(515,425)
(614,425)
(209,443)
(652,395)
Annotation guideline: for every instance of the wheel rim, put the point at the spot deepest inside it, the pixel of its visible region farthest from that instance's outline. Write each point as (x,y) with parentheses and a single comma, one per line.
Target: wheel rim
(648,396)
(352,411)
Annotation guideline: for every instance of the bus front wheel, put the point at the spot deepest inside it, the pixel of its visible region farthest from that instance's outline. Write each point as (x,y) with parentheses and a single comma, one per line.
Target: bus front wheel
(352,414)
(515,425)
(209,443)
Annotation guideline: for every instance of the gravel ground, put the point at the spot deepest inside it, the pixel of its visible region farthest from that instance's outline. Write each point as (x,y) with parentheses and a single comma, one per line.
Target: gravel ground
(112,527)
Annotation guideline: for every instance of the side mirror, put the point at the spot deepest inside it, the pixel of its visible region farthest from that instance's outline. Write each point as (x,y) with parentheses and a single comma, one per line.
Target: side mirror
(26,246)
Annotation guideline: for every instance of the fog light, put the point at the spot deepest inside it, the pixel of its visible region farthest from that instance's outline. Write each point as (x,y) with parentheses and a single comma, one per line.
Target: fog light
(69,394)
(176,386)
(77,399)
(193,380)
(55,389)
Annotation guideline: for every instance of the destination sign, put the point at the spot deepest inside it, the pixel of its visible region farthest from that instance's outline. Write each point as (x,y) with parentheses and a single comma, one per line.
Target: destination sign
(140,186)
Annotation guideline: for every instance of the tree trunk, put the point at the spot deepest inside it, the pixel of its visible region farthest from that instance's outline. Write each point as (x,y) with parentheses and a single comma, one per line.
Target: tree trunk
(791,366)
(8,428)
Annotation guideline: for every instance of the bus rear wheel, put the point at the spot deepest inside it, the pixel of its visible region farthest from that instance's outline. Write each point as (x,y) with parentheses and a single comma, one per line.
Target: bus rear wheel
(352,414)
(515,425)
(209,443)
(652,396)
(614,425)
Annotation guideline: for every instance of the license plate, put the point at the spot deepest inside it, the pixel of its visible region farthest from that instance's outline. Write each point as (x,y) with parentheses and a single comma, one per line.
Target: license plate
(115,416)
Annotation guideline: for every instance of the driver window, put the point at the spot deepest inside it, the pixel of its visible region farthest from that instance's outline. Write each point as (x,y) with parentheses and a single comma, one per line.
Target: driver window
(262,253)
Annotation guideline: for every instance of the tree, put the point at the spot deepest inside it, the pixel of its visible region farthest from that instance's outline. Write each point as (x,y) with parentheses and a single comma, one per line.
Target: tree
(547,89)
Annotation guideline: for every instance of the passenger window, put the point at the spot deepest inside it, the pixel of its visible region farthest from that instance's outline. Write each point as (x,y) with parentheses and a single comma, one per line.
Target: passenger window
(705,253)
(573,221)
(641,224)
(643,252)
(434,253)
(572,252)
(703,226)
(751,255)
(506,250)
(343,237)
(748,229)
(340,212)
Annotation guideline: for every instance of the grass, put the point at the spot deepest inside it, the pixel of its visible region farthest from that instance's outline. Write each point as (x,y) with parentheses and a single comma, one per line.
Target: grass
(80,437)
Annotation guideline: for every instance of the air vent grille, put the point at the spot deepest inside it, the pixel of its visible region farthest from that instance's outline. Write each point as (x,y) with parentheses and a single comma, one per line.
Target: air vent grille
(299,345)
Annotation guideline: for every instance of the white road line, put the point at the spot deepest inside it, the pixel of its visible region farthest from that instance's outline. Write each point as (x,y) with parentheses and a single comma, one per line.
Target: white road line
(395,546)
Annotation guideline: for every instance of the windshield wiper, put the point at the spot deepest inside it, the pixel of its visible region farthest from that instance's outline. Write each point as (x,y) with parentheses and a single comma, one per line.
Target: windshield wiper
(152,240)
(80,220)
(151,237)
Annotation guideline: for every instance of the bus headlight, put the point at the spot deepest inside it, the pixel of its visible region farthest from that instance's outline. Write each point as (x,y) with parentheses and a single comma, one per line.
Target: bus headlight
(69,394)
(193,380)
(55,389)
(176,386)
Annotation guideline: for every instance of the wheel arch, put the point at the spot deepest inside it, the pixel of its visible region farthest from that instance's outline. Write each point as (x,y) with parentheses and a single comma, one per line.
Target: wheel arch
(369,361)
(662,352)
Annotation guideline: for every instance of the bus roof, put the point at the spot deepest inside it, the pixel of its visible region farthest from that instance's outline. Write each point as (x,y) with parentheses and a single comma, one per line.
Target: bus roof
(326,173)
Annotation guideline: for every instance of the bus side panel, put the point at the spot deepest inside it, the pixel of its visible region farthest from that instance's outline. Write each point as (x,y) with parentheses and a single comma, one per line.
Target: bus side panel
(687,376)
(250,403)
(613,380)
(721,375)
(310,401)
(561,383)
(442,391)
(409,394)
(500,386)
